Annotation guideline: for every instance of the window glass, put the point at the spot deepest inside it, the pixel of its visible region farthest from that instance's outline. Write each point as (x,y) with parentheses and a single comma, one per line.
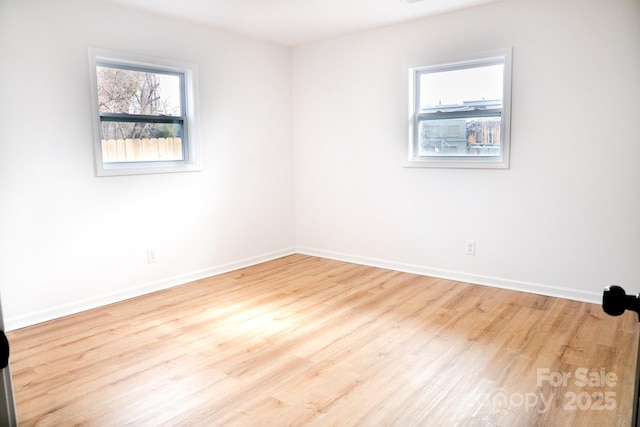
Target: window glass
(461,87)
(138,92)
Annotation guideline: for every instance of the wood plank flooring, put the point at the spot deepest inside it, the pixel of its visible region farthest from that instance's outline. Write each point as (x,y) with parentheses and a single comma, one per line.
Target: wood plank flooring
(315,342)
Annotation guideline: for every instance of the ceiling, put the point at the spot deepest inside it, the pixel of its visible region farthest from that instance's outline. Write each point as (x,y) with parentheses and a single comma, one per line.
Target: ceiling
(296,22)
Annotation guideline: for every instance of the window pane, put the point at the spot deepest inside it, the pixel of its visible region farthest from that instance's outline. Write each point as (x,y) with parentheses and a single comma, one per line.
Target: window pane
(462,87)
(142,150)
(472,136)
(141,142)
(137,92)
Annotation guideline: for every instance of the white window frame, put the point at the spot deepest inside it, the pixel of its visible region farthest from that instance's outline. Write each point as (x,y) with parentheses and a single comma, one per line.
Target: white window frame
(500,161)
(190,138)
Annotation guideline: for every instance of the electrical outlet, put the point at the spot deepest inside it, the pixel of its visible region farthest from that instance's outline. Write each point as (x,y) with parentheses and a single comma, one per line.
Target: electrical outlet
(152,256)
(471,247)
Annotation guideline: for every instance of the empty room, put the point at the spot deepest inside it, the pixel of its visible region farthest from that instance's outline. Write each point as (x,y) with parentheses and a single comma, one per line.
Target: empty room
(329,213)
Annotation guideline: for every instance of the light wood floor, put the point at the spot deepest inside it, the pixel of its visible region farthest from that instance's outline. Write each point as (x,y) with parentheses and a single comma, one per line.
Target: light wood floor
(310,341)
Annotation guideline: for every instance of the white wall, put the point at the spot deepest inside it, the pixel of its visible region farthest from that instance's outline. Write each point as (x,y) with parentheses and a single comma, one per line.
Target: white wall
(564,220)
(69,240)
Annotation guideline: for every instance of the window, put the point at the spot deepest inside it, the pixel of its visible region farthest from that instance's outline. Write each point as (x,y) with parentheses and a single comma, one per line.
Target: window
(144,114)
(460,113)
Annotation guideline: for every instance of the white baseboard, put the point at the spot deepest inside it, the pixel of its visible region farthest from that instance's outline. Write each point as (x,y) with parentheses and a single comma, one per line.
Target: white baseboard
(13,323)
(496,282)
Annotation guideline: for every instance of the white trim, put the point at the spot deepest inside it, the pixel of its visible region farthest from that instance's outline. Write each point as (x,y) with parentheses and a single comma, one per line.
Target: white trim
(411,160)
(193,152)
(13,323)
(496,282)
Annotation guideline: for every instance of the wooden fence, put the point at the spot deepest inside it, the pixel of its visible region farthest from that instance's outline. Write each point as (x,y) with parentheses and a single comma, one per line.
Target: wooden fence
(141,150)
